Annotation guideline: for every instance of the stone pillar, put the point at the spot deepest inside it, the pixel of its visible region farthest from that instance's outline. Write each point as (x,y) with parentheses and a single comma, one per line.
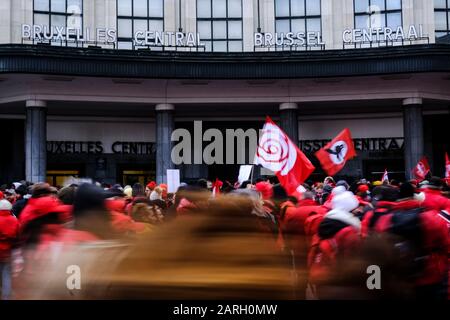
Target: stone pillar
(289,120)
(413,133)
(164,129)
(35,141)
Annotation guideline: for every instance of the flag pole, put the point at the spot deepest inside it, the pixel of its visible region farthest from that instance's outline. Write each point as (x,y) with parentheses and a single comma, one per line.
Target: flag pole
(251,175)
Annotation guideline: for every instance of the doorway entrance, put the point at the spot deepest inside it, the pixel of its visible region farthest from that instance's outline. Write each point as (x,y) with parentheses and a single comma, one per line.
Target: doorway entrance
(131,174)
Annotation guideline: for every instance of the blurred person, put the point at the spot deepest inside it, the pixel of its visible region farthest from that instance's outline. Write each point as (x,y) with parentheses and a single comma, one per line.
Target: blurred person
(9,232)
(333,249)
(128,191)
(138,191)
(219,253)
(21,201)
(67,195)
(149,188)
(148,215)
(156,194)
(419,238)
(433,197)
(293,227)
(41,209)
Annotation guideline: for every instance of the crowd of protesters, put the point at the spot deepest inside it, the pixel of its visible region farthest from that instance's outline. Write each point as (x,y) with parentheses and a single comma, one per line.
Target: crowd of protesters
(327,235)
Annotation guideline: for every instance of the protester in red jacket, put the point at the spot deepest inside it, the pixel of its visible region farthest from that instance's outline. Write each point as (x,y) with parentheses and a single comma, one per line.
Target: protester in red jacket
(434,200)
(9,231)
(419,235)
(293,220)
(335,244)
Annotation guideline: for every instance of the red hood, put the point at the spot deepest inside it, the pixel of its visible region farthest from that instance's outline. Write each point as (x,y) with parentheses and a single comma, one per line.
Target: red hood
(39,207)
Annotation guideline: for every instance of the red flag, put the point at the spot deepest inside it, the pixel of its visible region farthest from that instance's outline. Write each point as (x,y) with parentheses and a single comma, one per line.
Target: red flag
(447,169)
(216,187)
(385,176)
(279,154)
(335,154)
(421,169)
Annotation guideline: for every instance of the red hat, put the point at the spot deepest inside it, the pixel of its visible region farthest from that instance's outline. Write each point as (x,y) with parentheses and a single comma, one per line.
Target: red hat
(265,188)
(363,188)
(151,185)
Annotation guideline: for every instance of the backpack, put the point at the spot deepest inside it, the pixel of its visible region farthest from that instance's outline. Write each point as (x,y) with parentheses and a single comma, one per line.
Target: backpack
(405,237)
(323,255)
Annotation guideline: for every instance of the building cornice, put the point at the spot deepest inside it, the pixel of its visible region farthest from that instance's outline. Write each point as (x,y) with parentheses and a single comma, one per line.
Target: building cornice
(52,60)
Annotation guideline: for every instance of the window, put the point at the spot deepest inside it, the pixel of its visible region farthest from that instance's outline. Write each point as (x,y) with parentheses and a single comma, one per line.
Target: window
(137,15)
(378,14)
(442,17)
(297,16)
(219,23)
(58,13)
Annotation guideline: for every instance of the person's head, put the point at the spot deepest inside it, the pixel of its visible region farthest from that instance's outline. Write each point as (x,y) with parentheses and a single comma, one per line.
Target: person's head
(265,189)
(89,210)
(345,201)
(22,190)
(202,183)
(67,195)
(149,188)
(329,180)
(137,190)
(407,190)
(5,205)
(41,189)
(128,191)
(385,193)
(142,212)
(343,183)
(362,190)
(156,194)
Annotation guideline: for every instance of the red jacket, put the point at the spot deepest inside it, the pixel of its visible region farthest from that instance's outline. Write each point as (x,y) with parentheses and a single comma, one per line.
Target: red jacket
(39,207)
(435,237)
(330,244)
(9,231)
(434,200)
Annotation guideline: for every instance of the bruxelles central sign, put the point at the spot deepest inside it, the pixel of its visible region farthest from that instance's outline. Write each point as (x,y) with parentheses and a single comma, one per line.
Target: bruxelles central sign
(42,33)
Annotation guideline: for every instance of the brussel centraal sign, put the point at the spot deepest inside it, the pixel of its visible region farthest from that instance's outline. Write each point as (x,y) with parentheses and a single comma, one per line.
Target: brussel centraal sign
(349,36)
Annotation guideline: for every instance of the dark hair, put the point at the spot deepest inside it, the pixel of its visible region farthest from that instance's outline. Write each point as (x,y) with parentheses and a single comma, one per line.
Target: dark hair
(202,183)
(407,190)
(244,184)
(40,189)
(137,190)
(67,195)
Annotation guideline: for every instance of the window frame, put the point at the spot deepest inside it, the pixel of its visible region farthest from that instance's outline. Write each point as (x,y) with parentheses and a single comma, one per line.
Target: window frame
(132,17)
(227,19)
(384,12)
(446,10)
(62,14)
(291,17)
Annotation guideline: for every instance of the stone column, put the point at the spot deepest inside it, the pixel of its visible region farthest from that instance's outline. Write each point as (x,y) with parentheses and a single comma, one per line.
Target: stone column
(289,120)
(413,133)
(35,141)
(164,129)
